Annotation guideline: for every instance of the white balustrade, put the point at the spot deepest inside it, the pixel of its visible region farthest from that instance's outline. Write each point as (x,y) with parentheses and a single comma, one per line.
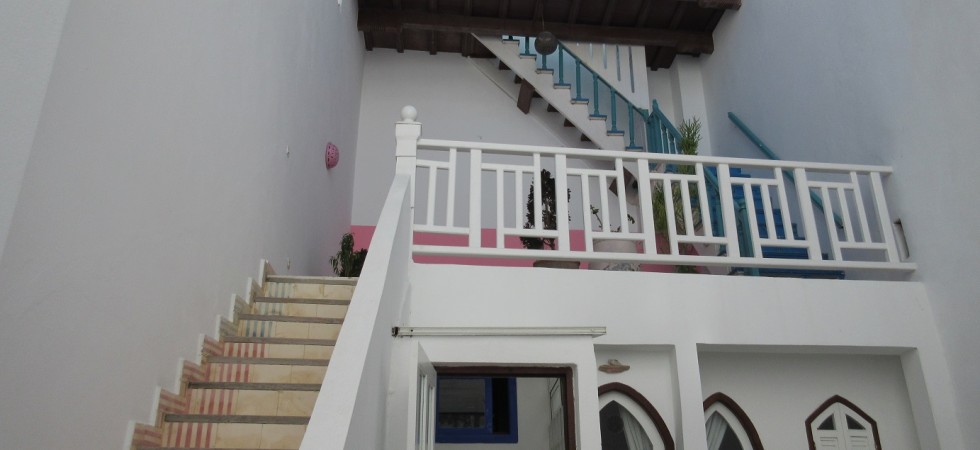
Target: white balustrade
(864,242)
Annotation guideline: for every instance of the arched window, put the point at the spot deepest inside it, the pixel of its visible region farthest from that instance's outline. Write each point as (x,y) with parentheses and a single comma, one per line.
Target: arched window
(727,425)
(838,424)
(629,422)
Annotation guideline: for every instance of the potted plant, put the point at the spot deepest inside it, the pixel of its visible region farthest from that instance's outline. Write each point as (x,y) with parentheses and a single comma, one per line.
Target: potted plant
(348,262)
(690,131)
(549,221)
(613,246)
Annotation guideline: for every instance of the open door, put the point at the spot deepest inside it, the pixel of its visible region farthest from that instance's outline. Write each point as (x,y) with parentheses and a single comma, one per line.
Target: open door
(425,411)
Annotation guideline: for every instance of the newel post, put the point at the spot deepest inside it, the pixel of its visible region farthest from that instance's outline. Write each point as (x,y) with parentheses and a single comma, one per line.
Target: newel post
(407,132)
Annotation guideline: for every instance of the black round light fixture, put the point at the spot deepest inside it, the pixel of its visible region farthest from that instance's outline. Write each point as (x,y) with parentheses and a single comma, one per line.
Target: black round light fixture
(546,43)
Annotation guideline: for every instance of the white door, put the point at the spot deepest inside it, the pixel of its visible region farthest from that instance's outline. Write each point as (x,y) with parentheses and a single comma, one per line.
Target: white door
(425,412)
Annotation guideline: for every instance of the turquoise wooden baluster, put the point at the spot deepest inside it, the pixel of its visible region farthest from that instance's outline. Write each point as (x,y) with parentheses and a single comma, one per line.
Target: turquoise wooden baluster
(632,130)
(595,94)
(561,67)
(544,62)
(578,81)
(612,109)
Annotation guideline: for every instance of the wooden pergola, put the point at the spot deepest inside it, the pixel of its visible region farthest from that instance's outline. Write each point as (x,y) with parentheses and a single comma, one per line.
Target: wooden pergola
(665,27)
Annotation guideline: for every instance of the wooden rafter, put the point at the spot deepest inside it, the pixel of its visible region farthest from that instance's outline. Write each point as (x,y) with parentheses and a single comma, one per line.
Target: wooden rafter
(641,16)
(716,4)
(692,42)
(573,11)
(607,15)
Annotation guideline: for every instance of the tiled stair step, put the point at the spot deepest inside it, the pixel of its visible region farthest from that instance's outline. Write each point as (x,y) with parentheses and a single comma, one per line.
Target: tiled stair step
(307,301)
(227,418)
(234,434)
(244,350)
(194,448)
(333,311)
(278,340)
(310,287)
(302,319)
(269,361)
(287,329)
(255,402)
(255,386)
(311,280)
(265,373)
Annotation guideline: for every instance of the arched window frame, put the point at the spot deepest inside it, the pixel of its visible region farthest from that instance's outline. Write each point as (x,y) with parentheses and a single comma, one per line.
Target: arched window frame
(643,403)
(847,404)
(732,413)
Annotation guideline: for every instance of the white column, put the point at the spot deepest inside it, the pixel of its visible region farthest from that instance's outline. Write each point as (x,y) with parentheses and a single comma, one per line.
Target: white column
(690,399)
(689,97)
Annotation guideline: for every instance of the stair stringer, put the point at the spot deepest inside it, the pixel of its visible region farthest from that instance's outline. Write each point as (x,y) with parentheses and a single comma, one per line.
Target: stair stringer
(551,122)
(561,99)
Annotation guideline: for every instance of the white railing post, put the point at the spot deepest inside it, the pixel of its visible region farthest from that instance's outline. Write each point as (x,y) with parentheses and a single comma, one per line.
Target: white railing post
(884,219)
(561,203)
(407,132)
(806,214)
(728,211)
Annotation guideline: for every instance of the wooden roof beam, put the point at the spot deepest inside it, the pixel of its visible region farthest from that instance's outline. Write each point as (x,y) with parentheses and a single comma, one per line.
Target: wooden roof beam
(641,16)
(607,15)
(689,42)
(501,11)
(716,4)
(573,11)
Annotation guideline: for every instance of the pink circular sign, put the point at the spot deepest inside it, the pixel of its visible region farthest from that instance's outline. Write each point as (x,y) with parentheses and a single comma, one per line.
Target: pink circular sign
(333,155)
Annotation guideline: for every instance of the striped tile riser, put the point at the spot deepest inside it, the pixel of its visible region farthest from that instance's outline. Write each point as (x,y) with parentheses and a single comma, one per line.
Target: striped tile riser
(213,401)
(200,435)
(172,403)
(245,350)
(146,435)
(271,309)
(237,373)
(256,328)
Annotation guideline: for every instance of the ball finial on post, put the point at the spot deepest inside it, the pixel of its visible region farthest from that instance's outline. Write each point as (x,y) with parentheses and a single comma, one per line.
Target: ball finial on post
(409,113)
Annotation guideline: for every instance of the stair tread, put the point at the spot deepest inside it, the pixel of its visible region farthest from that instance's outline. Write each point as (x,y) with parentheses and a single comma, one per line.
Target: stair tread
(282,318)
(277,340)
(268,361)
(346,281)
(309,301)
(244,386)
(194,448)
(230,418)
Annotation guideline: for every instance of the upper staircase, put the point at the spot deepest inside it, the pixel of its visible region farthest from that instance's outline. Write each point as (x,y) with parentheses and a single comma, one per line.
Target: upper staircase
(256,385)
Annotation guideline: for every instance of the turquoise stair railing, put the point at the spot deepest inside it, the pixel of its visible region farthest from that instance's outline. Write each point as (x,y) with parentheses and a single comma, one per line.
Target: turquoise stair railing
(588,87)
(772,155)
(650,131)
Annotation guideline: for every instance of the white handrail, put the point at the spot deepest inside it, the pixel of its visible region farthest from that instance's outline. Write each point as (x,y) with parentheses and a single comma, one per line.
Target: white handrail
(497,202)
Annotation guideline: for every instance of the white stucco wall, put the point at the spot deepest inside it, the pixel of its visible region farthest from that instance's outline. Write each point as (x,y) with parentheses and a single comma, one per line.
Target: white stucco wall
(455,102)
(29,35)
(879,82)
(156,180)
(652,373)
(533,417)
(778,392)
(643,309)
